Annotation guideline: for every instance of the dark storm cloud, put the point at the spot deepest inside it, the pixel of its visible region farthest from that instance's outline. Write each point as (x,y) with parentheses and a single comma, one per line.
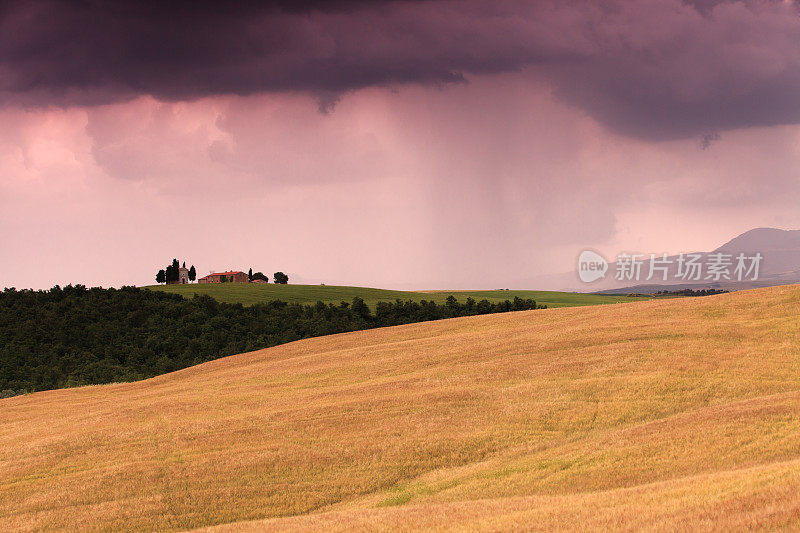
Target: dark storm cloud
(654,69)
(707,139)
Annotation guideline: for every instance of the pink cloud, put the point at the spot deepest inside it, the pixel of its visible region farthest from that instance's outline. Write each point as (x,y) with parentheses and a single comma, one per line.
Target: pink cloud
(473,185)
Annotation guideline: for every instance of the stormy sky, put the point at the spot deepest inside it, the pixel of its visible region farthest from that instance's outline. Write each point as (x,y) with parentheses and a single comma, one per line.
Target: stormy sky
(424,144)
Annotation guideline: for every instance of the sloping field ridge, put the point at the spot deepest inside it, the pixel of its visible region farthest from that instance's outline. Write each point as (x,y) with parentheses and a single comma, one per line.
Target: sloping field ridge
(254,293)
(664,414)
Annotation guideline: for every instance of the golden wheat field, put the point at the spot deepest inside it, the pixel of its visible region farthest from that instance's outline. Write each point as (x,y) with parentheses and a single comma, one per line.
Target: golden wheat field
(667,414)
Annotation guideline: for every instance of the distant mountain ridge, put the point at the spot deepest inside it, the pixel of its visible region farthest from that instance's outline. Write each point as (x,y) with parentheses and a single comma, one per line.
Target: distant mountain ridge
(780,265)
(763,240)
(781,249)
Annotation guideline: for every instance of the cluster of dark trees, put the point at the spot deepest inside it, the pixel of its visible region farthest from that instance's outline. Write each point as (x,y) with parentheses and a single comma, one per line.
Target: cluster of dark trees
(171,273)
(257,276)
(691,292)
(73,336)
(278,277)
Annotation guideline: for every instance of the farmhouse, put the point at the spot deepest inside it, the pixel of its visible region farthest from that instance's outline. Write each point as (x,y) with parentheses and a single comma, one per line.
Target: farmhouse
(230,277)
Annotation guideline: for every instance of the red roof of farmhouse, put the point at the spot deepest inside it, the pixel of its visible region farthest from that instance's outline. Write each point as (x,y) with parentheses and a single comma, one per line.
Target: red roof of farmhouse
(224,273)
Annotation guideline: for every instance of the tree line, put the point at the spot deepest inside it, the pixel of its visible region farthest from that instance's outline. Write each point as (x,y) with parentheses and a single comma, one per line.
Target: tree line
(691,292)
(71,336)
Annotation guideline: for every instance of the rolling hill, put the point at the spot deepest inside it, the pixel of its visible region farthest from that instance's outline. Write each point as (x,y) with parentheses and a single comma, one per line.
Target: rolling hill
(663,414)
(252,293)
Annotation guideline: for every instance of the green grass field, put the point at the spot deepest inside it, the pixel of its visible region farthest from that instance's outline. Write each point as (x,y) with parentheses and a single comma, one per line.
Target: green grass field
(253,293)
